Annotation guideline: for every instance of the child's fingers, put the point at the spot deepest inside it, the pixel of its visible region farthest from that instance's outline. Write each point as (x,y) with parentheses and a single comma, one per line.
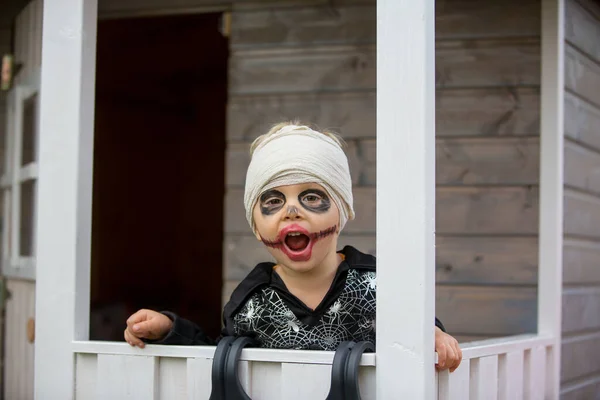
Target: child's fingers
(442,352)
(139,316)
(133,340)
(144,329)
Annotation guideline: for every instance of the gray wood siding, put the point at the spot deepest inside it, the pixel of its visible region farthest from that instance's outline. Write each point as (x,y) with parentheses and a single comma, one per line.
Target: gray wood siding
(581,261)
(317,63)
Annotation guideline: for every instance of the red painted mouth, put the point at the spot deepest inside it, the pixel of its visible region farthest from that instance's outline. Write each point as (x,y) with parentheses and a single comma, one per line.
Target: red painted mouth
(297,243)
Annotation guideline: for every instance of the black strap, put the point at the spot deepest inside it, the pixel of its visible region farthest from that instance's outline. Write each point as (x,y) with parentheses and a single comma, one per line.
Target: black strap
(234,388)
(218,368)
(352,389)
(338,371)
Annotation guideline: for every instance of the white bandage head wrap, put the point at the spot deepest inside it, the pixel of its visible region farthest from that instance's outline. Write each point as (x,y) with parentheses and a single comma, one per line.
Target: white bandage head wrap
(295,155)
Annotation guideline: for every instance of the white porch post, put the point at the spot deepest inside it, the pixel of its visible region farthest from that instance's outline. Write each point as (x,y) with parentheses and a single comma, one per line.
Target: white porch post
(551,185)
(64,192)
(405,199)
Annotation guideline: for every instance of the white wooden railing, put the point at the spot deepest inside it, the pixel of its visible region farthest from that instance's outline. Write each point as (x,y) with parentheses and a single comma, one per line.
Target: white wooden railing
(507,368)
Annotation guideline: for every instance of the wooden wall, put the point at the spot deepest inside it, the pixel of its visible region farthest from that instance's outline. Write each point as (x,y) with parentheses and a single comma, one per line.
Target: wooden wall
(20,307)
(581,273)
(318,63)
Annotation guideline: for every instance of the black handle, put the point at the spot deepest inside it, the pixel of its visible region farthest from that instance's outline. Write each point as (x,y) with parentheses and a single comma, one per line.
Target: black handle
(352,389)
(218,368)
(234,388)
(338,371)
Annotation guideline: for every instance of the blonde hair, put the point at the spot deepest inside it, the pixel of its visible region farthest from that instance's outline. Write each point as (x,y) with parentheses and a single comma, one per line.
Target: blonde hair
(300,127)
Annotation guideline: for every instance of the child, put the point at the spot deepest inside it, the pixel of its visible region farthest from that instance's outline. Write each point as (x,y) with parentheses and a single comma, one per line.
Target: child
(298,197)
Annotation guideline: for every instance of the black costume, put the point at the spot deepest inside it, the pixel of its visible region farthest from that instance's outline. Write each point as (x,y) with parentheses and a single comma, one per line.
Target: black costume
(262,307)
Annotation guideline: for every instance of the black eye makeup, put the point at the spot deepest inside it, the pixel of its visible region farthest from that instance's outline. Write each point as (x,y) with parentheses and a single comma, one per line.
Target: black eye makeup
(271,201)
(315,200)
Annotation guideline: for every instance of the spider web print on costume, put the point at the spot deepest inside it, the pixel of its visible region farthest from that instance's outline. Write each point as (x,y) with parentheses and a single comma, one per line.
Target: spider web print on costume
(350,317)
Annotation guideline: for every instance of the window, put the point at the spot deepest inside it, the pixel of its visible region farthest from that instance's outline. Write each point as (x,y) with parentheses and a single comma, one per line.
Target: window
(18,182)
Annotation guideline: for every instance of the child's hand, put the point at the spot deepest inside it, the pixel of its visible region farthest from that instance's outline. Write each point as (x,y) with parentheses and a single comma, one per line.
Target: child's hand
(146,324)
(448,350)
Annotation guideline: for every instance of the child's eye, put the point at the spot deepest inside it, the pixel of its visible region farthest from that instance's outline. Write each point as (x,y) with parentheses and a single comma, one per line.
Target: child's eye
(311,198)
(273,201)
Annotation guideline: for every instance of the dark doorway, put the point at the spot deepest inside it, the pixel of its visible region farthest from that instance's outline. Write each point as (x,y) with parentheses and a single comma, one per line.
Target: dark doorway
(159,160)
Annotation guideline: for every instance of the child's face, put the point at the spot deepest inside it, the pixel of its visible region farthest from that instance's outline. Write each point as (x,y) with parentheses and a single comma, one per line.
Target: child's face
(298,224)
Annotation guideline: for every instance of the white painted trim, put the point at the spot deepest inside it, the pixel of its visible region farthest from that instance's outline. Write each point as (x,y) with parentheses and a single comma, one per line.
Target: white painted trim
(28,172)
(490,347)
(262,355)
(551,184)
(405,199)
(64,192)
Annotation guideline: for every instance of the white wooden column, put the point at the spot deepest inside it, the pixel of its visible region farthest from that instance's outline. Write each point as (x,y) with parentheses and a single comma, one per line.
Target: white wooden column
(405,199)
(64,192)
(551,185)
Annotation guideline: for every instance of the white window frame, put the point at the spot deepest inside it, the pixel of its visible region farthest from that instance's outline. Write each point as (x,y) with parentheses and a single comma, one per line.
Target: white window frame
(14,265)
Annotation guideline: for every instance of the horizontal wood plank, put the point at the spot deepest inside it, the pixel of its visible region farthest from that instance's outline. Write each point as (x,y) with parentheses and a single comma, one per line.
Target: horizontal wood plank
(338,68)
(464,112)
(581,262)
(487,210)
(468,210)
(487,310)
(581,215)
(582,121)
(584,389)
(313,69)
(581,309)
(296,26)
(460,161)
(582,75)
(300,26)
(486,260)
(580,357)
(487,161)
(582,29)
(488,63)
(582,168)
(459,260)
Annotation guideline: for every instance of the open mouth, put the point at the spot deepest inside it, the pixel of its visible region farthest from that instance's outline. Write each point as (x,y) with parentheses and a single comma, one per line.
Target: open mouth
(297,243)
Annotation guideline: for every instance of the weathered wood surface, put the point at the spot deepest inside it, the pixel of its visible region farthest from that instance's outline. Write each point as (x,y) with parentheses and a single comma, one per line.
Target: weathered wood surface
(581,262)
(581,215)
(334,24)
(487,310)
(488,63)
(459,112)
(582,121)
(460,210)
(582,29)
(582,75)
(581,309)
(580,357)
(461,161)
(19,353)
(352,67)
(459,260)
(586,389)
(582,168)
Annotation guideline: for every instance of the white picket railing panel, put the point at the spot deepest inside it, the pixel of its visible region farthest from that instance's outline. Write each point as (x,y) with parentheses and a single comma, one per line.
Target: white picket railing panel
(510,368)
(199,384)
(127,377)
(172,378)
(535,373)
(86,376)
(455,385)
(510,375)
(484,378)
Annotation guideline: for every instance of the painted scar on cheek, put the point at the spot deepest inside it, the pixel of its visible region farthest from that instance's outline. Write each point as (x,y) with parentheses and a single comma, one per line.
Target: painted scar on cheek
(314,236)
(315,200)
(271,201)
